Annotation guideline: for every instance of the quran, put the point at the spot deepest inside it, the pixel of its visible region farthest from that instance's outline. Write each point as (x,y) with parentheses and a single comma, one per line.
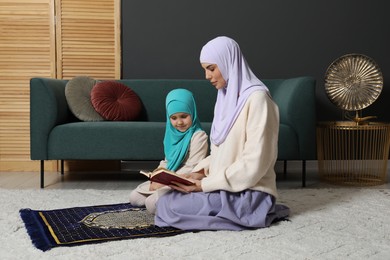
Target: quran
(166,177)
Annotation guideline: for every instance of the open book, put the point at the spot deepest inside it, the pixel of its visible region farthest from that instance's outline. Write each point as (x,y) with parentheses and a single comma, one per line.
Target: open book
(166,177)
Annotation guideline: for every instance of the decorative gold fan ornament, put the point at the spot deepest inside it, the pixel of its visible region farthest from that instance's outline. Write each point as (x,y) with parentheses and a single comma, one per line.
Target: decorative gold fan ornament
(353,82)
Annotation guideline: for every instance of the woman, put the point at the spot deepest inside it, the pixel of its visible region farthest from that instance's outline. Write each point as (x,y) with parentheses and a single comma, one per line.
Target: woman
(185,144)
(235,186)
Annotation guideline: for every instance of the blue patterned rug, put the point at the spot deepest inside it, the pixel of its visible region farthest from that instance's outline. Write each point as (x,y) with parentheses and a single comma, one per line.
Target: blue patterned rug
(93,224)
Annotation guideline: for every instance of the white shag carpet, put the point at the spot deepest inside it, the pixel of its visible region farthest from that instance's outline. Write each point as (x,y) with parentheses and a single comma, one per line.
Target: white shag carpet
(339,223)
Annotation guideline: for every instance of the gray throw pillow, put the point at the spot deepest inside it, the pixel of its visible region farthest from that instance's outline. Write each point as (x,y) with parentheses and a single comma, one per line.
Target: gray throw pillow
(78,95)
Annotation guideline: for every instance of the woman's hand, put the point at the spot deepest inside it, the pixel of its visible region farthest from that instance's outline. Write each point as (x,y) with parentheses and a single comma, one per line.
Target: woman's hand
(195,175)
(187,188)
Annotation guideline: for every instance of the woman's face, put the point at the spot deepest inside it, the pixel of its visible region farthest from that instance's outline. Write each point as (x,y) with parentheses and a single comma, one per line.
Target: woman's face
(181,121)
(214,75)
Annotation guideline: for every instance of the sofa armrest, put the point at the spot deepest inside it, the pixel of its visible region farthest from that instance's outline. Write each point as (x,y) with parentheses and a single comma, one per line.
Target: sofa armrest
(48,108)
(297,107)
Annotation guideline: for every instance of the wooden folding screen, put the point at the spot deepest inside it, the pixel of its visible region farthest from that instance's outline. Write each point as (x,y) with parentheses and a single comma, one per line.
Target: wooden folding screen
(49,38)
(88,38)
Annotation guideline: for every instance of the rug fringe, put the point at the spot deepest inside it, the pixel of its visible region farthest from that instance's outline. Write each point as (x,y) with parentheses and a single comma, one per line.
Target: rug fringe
(35,229)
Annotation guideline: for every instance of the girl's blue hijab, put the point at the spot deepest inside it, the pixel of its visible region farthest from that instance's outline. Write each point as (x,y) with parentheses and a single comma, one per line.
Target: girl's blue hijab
(176,143)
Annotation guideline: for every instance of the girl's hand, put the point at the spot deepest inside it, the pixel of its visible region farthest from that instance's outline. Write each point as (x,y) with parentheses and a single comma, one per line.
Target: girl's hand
(154,186)
(187,188)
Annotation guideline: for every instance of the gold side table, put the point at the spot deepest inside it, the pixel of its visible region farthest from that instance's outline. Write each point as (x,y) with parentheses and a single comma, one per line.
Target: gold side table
(352,154)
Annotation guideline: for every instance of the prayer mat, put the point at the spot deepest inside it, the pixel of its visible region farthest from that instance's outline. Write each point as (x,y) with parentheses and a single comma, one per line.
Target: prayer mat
(92,224)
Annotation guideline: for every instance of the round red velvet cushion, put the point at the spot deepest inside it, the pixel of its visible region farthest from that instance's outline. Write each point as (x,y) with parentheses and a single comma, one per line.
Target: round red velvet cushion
(115,101)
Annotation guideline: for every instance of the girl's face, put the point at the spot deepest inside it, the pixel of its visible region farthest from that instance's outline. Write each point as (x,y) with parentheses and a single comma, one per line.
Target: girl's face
(214,75)
(181,121)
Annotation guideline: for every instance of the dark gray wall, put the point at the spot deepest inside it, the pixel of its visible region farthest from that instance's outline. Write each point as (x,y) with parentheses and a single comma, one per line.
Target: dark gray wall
(279,38)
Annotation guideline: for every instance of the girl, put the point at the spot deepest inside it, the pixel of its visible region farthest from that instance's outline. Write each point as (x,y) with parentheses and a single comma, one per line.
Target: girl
(235,186)
(185,144)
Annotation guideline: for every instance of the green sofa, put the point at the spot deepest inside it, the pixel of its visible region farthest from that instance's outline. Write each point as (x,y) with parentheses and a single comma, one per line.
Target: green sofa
(55,134)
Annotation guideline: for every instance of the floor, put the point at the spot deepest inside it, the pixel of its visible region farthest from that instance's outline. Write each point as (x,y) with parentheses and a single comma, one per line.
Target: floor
(130,178)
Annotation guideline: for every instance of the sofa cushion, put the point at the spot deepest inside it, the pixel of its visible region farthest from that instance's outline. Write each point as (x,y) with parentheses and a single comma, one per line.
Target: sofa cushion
(78,97)
(115,101)
(107,140)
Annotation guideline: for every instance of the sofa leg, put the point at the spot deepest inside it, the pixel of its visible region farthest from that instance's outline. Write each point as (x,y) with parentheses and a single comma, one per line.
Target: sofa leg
(303,173)
(62,167)
(284,168)
(42,174)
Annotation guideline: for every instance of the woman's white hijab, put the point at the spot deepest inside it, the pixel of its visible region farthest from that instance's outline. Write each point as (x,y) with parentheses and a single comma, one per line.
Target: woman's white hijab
(241,83)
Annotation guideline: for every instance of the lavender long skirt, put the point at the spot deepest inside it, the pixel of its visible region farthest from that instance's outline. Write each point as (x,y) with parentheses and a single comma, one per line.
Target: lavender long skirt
(219,210)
